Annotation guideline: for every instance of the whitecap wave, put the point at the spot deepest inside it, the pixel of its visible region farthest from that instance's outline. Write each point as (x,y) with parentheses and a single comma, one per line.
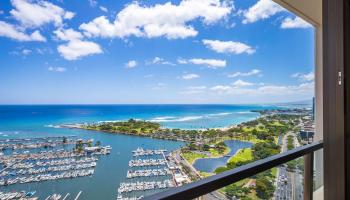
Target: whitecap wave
(188,118)
(176,119)
(221,114)
(164,118)
(52,126)
(244,112)
(122,120)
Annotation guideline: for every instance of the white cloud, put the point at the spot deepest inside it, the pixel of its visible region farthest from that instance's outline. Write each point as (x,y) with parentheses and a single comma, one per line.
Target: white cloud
(240,83)
(228,47)
(31,14)
(16,33)
(131,64)
(250,73)
(76,47)
(159,61)
(276,90)
(263,9)
(104,9)
(168,20)
(68,34)
(221,88)
(304,77)
(26,51)
(211,63)
(57,69)
(190,76)
(182,61)
(297,22)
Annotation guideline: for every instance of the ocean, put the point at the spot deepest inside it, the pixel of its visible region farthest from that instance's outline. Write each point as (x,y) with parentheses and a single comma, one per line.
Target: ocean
(39,120)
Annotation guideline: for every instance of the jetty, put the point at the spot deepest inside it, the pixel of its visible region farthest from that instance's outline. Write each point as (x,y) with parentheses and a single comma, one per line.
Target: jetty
(146,162)
(145,185)
(150,170)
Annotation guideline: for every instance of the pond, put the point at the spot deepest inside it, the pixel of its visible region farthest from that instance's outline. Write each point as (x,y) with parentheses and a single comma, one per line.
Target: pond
(210,164)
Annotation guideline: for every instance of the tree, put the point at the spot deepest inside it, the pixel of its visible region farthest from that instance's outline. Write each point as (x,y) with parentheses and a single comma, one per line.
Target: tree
(98,143)
(264,187)
(192,146)
(263,150)
(237,191)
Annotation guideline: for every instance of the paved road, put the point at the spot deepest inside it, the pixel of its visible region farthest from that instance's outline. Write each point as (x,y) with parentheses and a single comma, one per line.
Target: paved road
(289,184)
(284,180)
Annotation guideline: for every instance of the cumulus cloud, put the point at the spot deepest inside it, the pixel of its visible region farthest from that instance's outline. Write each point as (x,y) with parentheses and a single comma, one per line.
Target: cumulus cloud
(254,72)
(31,14)
(297,22)
(240,83)
(263,9)
(168,20)
(221,88)
(57,69)
(228,47)
(304,77)
(159,61)
(131,64)
(76,47)
(16,33)
(211,63)
(190,76)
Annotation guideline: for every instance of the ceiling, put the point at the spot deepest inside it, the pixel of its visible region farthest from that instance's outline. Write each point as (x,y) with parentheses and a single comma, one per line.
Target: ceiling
(309,10)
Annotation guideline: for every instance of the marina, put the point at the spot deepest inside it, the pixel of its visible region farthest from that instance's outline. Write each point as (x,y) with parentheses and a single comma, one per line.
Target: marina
(155,171)
(147,162)
(23,195)
(148,173)
(28,160)
(33,124)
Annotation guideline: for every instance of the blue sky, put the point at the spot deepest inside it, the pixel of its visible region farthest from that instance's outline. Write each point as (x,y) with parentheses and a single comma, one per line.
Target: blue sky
(118,51)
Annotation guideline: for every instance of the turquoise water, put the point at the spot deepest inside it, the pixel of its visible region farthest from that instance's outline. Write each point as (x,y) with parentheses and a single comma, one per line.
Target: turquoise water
(35,121)
(210,164)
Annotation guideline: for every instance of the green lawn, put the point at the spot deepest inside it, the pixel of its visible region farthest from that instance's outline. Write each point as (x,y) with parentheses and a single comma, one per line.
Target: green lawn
(274,171)
(205,174)
(215,153)
(191,156)
(242,155)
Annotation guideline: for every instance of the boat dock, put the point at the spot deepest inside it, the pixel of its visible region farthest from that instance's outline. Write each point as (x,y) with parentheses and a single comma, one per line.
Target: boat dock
(153,173)
(31,160)
(146,162)
(148,173)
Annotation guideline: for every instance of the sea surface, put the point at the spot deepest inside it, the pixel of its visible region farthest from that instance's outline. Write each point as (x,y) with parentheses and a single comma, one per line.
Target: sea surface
(40,120)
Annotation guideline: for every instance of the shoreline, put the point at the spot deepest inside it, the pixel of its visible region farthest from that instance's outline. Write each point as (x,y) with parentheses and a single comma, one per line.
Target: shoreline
(229,158)
(224,128)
